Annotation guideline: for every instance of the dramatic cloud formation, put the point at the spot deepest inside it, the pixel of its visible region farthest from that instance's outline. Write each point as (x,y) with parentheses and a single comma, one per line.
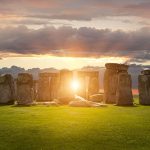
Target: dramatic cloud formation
(60,28)
(82,42)
(74,9)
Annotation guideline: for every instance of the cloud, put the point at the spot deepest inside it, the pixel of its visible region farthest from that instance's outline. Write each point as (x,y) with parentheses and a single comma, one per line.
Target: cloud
(82,42)
(138,9)
(74,9)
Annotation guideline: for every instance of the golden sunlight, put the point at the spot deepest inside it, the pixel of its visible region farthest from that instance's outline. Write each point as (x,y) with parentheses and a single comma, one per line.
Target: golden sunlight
(46,61)
(75,85)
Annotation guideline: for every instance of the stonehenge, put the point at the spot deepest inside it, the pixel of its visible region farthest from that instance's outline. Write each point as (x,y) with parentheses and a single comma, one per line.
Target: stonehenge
(25,89)
(56,87)
(144,87)
(117,85)
(89,83)
(7,89)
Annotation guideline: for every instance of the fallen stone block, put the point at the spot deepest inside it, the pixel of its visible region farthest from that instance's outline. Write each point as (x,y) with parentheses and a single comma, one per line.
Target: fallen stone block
(96,98)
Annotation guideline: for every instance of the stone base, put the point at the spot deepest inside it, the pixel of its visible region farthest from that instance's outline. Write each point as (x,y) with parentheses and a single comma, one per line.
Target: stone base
(125,104)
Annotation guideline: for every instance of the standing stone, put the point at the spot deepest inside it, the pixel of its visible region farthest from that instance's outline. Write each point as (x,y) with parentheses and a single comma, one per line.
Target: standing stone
(44,87)
(25,89)
(89,83)
(93,83)
(117,85)
(54,86)
(110,83)
(7,89)
(144,87)
(124,90)
(48,86)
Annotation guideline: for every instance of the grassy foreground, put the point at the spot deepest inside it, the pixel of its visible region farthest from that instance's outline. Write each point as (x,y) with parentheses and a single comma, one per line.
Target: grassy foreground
(67,128)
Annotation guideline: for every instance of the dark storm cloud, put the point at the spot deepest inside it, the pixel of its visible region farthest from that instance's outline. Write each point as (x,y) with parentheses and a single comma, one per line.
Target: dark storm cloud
(82,42)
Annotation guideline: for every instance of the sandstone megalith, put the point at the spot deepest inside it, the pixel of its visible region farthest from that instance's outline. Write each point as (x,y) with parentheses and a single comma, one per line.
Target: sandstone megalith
(89,83)
(144,87)
(94,83)
(25,89)
(124,90)
(117,85)
(7,89)
(48,86)
(55,86)
(110,83)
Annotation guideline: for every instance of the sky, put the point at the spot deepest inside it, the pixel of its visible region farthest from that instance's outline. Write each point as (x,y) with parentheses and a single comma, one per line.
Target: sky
(74,33)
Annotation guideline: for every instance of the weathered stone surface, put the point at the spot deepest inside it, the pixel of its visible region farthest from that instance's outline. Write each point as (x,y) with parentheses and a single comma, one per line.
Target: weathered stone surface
(48,86)
(89,83)
(110,86)
(115,66)
(25,89)
(7,89)
(144,88)
(64,100)
(117,84)
(124,91)
(145,72)
(93,85)
(96,98)
(44,87)
(54,86)
(81,102)
(65,90)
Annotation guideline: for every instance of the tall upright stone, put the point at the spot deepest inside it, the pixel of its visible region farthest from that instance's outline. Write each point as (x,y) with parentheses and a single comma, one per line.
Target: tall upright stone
(93,83)
(55,78)
(124,95)
(25,89)
(44,87)
(7,89)
(48,86)
(144,87)
(65,90)
(117,85)
(110,83)
(89,83)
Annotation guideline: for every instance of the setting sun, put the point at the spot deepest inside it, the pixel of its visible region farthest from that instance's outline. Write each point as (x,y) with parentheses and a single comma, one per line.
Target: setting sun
(75,85)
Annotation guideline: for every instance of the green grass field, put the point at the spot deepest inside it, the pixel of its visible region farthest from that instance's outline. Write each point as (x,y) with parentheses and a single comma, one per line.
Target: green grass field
(67,128)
